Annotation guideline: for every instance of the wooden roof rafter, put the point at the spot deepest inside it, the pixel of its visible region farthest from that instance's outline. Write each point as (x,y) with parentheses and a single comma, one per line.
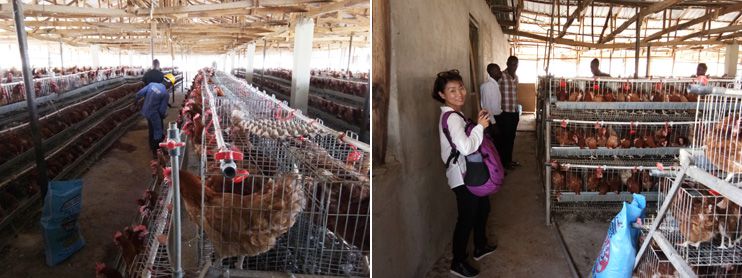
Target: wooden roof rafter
(234,23)
(611,23)
(658,6)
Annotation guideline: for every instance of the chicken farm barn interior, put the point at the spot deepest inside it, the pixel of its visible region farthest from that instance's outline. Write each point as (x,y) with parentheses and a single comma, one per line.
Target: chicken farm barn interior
(264,116)
(586,141)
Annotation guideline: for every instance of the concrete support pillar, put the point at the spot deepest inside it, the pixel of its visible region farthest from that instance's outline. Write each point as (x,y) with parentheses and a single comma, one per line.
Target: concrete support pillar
(303,37)
(94,50)
(235,61)
(250,60)
(61,55)
(730,60)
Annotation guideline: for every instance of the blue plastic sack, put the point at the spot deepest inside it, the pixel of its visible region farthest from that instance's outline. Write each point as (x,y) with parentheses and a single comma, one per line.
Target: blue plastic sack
(617,255)
(61,210)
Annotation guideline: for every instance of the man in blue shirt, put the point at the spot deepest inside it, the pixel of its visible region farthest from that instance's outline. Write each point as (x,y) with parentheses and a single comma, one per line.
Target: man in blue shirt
(155,109)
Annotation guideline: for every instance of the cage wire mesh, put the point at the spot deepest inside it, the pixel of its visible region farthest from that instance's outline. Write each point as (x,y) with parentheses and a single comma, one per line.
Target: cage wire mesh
(655,264)
(703,226)
(718,148)
(575,188)
(619,123)
(625,90)
(155,260)
(305,192)
(15,91)
(620,135)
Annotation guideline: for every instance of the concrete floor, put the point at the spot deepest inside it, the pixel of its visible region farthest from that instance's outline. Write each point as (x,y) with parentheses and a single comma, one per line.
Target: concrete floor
(111,188)
(526,246)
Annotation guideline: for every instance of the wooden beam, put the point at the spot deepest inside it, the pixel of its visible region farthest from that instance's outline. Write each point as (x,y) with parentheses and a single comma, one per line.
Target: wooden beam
(684,25)
(569,42)
(730,24)
(645,3)
(573,16)
(607,20)
(6,11)
(248,4)
(711,31)
(337,6)
(658,6)
(731,36)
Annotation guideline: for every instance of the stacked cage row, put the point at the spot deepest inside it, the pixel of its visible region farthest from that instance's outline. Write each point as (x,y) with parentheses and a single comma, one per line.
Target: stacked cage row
(699,219)
(281,192)
(624,127)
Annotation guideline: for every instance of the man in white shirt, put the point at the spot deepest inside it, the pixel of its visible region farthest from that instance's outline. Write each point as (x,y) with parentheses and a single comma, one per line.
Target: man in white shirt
(491,98)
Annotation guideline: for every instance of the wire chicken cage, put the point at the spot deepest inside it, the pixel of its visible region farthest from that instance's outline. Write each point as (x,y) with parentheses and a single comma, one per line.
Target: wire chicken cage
(601,187)
(613,123)
(299,200)
(718,148)
(154,260)
(704,225)
(15,91)
(698,222)
(585,138)
(655,265)
(670,91)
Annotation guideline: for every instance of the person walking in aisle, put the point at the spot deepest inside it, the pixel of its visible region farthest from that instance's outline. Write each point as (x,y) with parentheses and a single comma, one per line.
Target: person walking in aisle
(155,109)
(472,210)
(491,98)
(153,75)
(507,121)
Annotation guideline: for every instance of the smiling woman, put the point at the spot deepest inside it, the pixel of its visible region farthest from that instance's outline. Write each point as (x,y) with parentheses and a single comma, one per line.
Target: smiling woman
(456,143)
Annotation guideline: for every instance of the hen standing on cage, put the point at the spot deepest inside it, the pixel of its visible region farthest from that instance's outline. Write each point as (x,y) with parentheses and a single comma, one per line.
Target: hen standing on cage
(472,210)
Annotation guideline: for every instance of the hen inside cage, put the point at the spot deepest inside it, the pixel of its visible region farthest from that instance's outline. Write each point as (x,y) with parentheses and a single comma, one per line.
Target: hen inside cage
(600,135)
(655,264)
(718,137)
(703,225)
(295,205)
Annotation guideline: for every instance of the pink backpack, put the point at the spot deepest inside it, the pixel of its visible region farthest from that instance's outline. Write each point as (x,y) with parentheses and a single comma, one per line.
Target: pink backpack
(484,172)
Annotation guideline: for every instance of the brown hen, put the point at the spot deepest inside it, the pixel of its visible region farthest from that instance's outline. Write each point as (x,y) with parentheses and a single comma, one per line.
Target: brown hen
(262,217)
(697,226)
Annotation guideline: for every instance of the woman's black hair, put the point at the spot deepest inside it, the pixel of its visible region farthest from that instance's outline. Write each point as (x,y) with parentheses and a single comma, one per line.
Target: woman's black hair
(442,79)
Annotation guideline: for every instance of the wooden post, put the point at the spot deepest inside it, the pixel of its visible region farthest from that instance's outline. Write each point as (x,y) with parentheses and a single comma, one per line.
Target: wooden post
(152,31)
(672,70)
(350,51)
(381,49)
(61,56)
(265,46)
(649,48)
(636,48)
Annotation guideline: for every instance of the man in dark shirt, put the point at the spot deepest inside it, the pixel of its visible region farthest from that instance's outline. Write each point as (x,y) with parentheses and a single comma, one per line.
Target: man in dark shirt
(154,109)
(701,70)
(154,74)
(595,69)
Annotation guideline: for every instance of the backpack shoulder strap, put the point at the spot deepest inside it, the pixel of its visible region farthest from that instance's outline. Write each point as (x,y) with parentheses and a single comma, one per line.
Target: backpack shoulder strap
(444,124)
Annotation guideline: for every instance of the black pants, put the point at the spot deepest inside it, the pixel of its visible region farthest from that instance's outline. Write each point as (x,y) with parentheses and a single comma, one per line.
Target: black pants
(507,124)
(493,132)
(473,212)
(154,143)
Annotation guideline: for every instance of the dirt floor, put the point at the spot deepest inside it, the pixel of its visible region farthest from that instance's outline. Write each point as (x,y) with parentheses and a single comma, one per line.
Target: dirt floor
(526,246)
(110,190)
